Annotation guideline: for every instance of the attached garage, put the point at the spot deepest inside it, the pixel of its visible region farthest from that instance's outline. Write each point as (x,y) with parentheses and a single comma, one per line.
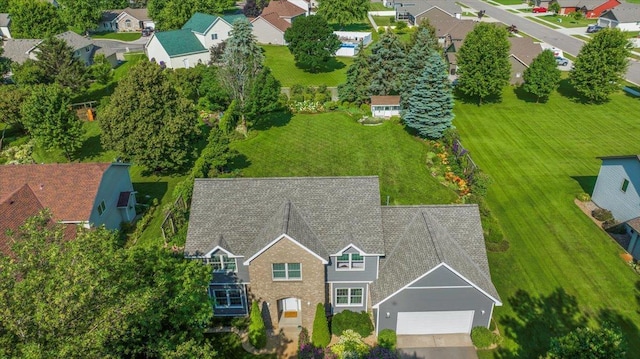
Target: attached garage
(425,323)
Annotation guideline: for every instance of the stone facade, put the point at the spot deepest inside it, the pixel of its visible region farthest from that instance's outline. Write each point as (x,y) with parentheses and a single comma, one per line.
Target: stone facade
(310,289)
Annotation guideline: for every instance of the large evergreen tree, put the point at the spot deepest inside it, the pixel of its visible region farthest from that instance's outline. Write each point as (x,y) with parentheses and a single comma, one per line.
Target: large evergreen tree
(430,105)
(264,95)
(601,64)
(424,42)
(386,62)
(155,127)
(312,42)
(58,64)
(343,12)
(91,298)
(241,63)
(356,88)
(543,76)
(483,61)
(48,117)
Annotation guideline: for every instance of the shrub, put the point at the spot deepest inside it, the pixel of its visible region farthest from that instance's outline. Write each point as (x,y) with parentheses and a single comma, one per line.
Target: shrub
(320,336)
(392,19)
(350,345)
(583,197)
(366,109)
(387,339)
(609,223)
(348,320)
(401,27)
(303,338)
(602,214)
(257,330)
(483,338)
(382,353)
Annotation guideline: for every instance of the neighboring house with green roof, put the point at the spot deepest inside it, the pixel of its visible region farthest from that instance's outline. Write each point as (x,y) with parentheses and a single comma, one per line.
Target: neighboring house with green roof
(190,45)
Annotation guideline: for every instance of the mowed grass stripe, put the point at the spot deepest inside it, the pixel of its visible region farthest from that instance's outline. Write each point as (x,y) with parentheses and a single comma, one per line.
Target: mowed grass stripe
(334,144)
(531,152)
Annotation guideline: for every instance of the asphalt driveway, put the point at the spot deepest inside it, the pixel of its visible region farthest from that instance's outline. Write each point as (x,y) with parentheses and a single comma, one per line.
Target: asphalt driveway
(446,346)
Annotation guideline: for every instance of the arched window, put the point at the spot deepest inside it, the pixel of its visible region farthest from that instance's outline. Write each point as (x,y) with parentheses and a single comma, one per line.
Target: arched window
(127,23)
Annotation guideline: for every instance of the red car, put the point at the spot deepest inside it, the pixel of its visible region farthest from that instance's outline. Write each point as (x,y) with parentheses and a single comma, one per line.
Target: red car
(537,10)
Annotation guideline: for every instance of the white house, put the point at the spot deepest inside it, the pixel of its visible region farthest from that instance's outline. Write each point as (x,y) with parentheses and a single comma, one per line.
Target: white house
(275,19)
(385,106)
(625,17)
(190,45)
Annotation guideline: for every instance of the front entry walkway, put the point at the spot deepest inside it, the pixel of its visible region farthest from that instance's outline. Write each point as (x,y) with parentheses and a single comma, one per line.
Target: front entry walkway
(445,346)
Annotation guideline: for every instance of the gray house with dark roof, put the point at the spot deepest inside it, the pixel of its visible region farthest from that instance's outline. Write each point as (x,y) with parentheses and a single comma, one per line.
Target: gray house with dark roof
(625,17)
(415,10)
(291,243)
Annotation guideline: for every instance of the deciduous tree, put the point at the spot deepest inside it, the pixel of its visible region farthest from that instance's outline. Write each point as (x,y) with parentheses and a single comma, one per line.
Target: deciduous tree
(101,70)
(48,117)
(253,8)
(483,62)
(604,343)
(241,63)
(172,14)
(386,62)
(601,64)
(430,105)
(81,15)
(89,297)
(344,12)
(312,42)
(213,97)
(34,19)
(542,77)
(356,88)
(155,127)
(11,99)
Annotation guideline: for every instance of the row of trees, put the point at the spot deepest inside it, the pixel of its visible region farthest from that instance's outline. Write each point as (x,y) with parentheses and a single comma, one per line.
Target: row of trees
(416,71)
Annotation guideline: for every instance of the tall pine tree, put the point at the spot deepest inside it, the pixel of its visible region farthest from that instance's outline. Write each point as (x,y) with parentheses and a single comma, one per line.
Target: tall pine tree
(356,88)
(386,63)
(424,43)
(430,109)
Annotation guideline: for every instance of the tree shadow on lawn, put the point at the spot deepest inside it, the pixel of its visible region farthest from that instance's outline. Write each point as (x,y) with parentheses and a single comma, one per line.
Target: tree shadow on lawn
(525,96)
(238,162)
(587,183)
(332,65)
(567,90)
(273,119)
(475,100)
(91,149)
(538,319)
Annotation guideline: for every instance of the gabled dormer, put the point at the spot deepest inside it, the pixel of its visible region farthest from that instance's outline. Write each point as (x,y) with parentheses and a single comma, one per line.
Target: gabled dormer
(352,264)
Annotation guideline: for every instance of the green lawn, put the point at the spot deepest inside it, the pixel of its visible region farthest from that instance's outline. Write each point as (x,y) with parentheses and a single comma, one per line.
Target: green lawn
(509,2)
(561,269)
(281,62)
(383,20)
(542,22)
(122,36)
(377,6)
(568,21)
(334,144)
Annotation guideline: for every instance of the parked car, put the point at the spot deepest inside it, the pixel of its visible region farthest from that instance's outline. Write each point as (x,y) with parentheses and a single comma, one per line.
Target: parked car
(147,31)
(540,10)
(593,28)
(562,61)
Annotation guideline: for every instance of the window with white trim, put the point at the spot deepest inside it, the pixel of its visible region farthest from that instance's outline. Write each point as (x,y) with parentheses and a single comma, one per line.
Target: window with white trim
(214,36)
(101,208)
(349,297)
(625,185)
(222,263)
(350,261)
(286,271)
(227,298)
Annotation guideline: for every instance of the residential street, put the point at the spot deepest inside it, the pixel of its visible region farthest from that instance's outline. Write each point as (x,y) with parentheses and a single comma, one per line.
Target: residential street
(567,43)
(122,46)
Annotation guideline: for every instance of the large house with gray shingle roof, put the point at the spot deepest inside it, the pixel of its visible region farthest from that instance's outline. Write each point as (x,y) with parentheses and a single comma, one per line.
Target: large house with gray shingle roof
(189,46)
(625,17)
(19,50)
(291,243)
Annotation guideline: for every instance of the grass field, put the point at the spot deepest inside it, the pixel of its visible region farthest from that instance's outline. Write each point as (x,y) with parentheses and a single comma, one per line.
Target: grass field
(561,270)
(509,2)
(122,36)
(97,92)
(334,144)
(281,62)
(383,20)
(542,22)
(568,21)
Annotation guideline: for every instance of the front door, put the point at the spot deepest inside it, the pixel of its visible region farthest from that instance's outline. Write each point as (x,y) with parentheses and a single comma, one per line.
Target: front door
(289,312)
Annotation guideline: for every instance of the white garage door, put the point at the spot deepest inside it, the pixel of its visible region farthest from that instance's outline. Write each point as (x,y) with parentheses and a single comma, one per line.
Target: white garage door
(434,322)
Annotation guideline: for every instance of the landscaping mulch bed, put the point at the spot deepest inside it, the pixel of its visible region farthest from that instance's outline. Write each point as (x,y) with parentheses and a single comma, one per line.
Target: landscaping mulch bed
(587,207)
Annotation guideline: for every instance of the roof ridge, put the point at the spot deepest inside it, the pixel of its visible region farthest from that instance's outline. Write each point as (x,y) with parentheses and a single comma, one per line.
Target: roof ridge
(286,215)
(436,244)
(401,239)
